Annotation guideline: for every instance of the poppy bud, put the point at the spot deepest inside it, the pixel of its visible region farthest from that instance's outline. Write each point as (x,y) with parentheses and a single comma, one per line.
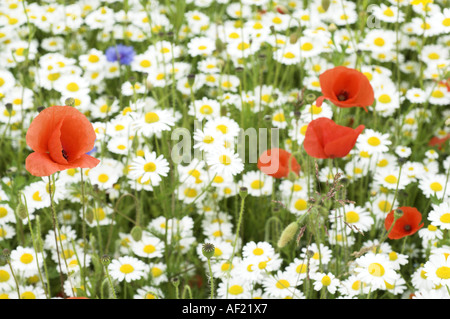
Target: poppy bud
(136,233)
(70,101)
(310,97)
(21,210)
(325,5)
(6,253)
(288,234)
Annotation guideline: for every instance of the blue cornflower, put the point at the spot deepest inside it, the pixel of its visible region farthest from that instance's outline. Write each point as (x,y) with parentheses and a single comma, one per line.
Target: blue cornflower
(122,53)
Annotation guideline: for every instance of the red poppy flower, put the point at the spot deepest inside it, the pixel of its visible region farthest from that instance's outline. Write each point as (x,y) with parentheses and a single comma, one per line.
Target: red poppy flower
(345,87)
(440,142)
(60,137)
(275,162)
(326,139)
(406,225)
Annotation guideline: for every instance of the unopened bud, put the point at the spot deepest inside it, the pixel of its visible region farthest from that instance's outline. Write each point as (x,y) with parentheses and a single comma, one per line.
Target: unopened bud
(288,234)
(208,250)
(293,38)
(310,98)
(325,4)
(292,177)
(6,253)
(21,210)
(136,233)
(332,27)
(70,101)
(9,107)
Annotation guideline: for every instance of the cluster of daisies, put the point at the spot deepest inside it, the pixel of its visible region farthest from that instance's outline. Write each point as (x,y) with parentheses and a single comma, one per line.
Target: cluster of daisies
(146,80)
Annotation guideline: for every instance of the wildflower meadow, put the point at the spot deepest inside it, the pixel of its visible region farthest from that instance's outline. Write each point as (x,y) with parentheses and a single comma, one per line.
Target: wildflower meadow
(224,149)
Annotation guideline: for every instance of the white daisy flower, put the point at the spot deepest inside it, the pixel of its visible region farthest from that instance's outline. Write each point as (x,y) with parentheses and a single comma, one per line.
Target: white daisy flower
(149,167)
(127,268)
(440,215)
(375,270)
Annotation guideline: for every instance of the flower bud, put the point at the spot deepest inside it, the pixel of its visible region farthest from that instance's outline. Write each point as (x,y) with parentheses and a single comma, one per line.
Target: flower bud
(70,101)
(136,233)
(325,5)
(288,234)
(21,210)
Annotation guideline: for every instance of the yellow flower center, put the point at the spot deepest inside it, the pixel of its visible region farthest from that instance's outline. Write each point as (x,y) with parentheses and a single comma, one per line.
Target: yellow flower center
(72,87)
(384,98)
(4,276)
(126,269)
(150,167)
(443,272)
(224,159)
(351,217)
(379,42)
(436,187)
(236,290)
(307,46)
(103,178)
(376,269)
(148,249)
(391,179)
(28,295)
(300,204)
(374,141)
(445,218)
(151,117)
(289,55)
(326,280)
(26,258)
(282,284)
(206,109)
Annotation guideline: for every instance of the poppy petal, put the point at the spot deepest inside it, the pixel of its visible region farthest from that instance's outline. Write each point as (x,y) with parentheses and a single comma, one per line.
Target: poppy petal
(41,164)
(77,135)
(54,145)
